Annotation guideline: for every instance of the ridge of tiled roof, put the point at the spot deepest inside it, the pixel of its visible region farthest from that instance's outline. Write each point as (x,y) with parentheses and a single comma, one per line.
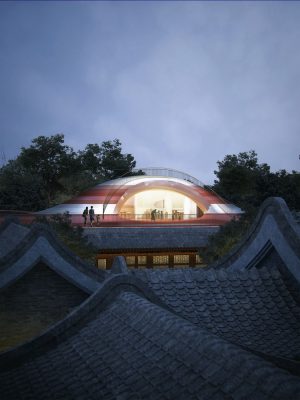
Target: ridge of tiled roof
(273,229)
(11,234)
(40,243)
(122,343)
(105,293)
(256,309)
(158,237)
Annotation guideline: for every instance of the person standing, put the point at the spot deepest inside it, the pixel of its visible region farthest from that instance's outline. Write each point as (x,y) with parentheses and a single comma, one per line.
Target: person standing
(92,215)
(84,215)
(153,214)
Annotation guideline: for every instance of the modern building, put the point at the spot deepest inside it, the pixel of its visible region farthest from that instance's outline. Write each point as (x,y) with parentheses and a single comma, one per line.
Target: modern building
(149,218)
(161,195)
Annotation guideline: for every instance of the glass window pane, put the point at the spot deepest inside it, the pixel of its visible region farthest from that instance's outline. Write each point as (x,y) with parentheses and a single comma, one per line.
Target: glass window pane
(130,260)
(181,259)
(160,260)
(142,260)
(102,263)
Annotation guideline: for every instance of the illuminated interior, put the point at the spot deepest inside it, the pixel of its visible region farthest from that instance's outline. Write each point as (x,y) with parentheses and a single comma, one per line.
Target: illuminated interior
(160,204)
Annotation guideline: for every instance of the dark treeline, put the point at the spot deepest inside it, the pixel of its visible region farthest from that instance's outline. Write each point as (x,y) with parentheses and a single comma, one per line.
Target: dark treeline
(246,183)
(48,172)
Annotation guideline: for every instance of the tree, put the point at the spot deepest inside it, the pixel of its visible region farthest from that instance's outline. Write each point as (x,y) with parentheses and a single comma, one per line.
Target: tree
(21,189)
(48,172)
(106,161)
(50,159)
(115,164)
(246,183)
(241,179)
(90,159)
(287,186)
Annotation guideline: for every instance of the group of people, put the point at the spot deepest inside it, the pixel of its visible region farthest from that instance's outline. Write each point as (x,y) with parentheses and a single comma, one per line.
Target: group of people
(91,213)
(158,214)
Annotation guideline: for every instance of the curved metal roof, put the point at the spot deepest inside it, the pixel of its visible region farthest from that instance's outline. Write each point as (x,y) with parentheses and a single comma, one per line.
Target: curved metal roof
(169,172)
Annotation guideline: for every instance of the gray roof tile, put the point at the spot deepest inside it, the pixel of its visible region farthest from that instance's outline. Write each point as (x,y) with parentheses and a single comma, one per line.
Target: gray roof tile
(257,305)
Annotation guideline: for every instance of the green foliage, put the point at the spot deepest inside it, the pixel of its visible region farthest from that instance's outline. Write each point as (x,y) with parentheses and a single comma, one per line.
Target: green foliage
(115,164)
(50,159)
(241,179)
(106,161)
(90,159)
(21,189)
(71,236)
(225,239)
(246,183)
(49,172)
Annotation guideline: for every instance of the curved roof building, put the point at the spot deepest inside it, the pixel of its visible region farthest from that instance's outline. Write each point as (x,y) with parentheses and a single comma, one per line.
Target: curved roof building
(160,194)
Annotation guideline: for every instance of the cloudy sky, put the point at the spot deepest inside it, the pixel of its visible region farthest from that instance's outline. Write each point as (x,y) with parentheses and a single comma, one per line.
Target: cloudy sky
(181,84)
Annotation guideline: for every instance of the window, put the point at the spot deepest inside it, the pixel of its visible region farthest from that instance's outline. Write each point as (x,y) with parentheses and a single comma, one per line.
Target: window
(160,260)
(102,263)
(181,259)
(130,260)
(198,259)
(142,260)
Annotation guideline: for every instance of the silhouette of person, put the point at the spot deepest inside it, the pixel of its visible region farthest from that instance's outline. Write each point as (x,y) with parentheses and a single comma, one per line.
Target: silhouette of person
(92,215)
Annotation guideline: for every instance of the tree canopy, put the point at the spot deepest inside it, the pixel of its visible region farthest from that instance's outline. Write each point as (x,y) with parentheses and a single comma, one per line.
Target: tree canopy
(49,159)
(106,161)
(246,183)
(49,171)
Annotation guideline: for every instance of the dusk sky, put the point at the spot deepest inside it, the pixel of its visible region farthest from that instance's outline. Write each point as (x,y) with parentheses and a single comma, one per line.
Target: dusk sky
(181,84)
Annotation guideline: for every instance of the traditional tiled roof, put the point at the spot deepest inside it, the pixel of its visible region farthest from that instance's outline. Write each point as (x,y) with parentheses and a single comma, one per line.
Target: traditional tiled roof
(11,234)
(127,347)
(23,248)
(273,239)
(152,237)
(230,332)
(257,309)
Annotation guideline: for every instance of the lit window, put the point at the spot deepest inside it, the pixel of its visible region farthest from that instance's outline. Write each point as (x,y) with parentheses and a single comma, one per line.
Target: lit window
(160,260)
(102,263)
(181,259)
(130,260)
(142,260)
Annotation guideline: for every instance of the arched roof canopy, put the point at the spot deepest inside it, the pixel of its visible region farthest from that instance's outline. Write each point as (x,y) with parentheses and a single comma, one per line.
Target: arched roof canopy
(171,173)
(190,191)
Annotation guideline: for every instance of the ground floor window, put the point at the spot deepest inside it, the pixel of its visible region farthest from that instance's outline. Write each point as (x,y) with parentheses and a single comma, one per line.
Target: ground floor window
(173,258)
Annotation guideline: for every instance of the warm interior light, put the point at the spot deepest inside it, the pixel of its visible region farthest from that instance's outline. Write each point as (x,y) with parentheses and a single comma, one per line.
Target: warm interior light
(164,201)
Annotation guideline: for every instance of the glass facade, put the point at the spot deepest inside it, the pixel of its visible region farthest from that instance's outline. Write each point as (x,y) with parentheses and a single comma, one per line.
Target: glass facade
(159,204)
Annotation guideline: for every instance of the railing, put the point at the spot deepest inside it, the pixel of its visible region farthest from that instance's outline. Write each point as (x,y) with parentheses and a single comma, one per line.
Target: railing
(124,219)
(159,216)
(169,172)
